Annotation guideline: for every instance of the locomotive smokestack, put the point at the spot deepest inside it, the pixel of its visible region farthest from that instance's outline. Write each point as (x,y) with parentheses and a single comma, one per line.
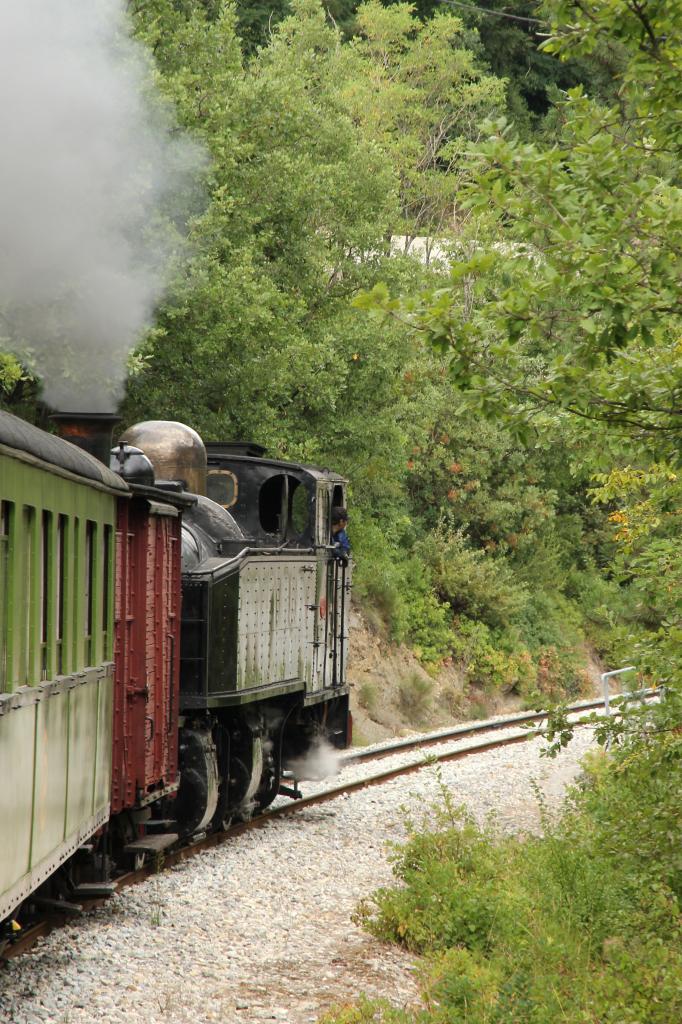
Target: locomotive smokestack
(91,431)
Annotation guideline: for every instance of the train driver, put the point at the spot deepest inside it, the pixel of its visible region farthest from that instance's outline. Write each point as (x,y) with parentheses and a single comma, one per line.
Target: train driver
(339,535)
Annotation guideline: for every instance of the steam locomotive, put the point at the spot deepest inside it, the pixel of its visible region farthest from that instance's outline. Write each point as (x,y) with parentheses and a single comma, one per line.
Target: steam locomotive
(173,635)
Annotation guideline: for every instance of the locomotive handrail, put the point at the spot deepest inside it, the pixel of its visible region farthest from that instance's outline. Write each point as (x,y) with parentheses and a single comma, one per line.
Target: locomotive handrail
(271,551)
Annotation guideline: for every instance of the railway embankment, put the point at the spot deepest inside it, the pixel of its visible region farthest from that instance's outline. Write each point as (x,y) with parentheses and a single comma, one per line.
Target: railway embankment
(393,694)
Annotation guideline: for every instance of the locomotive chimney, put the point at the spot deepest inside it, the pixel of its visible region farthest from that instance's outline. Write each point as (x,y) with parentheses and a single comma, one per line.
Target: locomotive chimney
(91,431)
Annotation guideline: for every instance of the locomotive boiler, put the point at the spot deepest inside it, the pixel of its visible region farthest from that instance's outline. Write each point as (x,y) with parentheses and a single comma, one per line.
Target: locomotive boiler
(173,635)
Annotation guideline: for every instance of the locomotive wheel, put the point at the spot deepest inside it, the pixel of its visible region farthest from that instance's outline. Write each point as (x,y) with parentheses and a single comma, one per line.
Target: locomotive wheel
(197,797)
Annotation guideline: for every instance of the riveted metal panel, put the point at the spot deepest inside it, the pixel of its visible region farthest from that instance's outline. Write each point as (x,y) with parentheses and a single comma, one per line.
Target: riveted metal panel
(221,646)
(17,749)
(277,603)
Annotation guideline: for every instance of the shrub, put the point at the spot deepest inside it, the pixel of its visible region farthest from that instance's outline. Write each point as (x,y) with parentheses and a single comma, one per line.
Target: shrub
(368,697)
(472,582)
(395,590)
(487,663)
(415,695)
(428,627)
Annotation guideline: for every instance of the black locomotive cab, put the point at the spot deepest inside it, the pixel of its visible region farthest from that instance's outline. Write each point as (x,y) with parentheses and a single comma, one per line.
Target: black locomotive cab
(276,504)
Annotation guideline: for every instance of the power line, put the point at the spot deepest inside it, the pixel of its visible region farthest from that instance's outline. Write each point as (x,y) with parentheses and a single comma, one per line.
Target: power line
(491,13)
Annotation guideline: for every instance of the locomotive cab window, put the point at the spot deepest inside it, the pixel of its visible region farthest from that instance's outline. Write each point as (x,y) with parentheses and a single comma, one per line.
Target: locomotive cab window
(299,505)
(222,487)
(272,504)
(338,500)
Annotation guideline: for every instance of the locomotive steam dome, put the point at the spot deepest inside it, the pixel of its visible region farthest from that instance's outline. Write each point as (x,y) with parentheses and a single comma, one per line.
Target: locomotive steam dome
(174,449)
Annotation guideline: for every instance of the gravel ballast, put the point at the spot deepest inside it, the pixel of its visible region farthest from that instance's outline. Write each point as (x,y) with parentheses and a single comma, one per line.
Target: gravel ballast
(259,928)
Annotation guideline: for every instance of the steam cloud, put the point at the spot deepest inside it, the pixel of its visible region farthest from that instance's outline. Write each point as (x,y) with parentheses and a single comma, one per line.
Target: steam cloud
(88,169)
(320,761)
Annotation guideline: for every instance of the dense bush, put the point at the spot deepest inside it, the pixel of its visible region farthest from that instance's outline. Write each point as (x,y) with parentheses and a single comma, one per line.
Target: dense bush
(581,926)
(472,582)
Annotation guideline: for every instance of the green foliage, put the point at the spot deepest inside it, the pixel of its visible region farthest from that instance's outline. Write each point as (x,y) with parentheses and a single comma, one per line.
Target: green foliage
(365,1012)
(11,373)
(512,42)
(487,664)
(428,625)
(563,302)
(578,310)
(418,89)
(580,925)
(399,590)
(646,528)
(472,582)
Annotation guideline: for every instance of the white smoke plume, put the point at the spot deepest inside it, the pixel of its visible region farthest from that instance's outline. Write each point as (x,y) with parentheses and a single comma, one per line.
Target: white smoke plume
(88,157)
(320,761)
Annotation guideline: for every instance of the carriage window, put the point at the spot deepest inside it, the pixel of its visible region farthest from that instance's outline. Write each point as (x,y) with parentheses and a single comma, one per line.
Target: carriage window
(5,603)
(61,536)
(271,503)
(45,580)
(106,589)
(29,560)
(222,487)
(90,535)
(298,506)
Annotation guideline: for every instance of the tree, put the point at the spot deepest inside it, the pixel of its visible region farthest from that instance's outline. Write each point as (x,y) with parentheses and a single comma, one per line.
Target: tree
(419,91)
(564,293)
(570,299)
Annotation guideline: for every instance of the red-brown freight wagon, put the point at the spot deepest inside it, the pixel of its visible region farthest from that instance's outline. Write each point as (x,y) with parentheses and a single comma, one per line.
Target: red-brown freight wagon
(146,648)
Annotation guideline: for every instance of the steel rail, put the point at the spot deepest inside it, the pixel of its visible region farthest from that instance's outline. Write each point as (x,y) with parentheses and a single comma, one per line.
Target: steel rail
(491,725)
(176,856)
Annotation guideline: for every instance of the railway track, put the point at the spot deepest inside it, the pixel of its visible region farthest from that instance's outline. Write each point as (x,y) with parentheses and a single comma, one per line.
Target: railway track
(523,724)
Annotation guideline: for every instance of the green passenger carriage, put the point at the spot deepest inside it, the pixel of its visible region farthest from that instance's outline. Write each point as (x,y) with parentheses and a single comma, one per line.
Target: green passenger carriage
(57,536)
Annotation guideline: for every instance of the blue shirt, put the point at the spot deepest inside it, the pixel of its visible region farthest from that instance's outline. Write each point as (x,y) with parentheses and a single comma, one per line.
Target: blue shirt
(341,544)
